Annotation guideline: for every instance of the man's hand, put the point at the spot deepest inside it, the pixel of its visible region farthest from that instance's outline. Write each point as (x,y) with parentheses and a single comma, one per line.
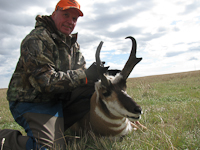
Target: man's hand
(92,74)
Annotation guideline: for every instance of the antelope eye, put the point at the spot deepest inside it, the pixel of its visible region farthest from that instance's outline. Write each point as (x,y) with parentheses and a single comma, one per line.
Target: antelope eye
(106,93)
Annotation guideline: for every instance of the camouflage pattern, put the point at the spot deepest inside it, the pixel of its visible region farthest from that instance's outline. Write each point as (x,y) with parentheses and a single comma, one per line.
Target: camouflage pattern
(50,63)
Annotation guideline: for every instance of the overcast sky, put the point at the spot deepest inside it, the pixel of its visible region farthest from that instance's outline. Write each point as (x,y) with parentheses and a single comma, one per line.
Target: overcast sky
(167,33)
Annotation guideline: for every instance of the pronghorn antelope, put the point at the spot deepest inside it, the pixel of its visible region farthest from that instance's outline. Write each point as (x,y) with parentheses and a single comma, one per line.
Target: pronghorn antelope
(112,110)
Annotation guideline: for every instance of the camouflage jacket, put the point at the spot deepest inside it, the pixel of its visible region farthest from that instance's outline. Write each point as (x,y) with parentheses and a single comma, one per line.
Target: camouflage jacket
(50,63)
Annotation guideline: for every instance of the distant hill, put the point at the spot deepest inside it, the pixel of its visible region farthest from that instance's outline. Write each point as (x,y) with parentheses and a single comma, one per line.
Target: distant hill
(164,77)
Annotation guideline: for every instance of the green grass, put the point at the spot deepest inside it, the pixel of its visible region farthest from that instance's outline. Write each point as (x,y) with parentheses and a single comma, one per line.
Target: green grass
(6,119)
(171,112)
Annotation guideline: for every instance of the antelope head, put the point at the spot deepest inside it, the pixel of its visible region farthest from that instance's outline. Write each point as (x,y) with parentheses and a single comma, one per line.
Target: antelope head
(111,91)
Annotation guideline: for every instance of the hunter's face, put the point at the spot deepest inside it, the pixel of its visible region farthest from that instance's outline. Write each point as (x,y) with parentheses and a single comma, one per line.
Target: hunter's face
(65,20)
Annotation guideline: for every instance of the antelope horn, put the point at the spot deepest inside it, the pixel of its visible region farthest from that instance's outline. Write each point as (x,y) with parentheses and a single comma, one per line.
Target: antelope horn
(104,80)
(132,60)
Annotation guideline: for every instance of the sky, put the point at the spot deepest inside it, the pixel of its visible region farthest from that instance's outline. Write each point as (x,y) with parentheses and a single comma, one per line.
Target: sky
(167,33)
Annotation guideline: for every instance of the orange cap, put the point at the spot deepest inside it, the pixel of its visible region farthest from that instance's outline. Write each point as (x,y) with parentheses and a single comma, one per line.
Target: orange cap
(67,4)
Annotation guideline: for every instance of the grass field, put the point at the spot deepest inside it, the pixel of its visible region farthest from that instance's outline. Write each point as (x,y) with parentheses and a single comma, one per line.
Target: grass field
(171,107)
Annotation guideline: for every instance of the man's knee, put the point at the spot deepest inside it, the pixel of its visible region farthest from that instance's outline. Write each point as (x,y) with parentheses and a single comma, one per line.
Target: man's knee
(47,129)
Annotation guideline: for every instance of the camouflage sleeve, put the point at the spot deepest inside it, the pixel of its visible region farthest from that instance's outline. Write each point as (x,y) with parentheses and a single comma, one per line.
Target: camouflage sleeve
(38,61)
(80,60)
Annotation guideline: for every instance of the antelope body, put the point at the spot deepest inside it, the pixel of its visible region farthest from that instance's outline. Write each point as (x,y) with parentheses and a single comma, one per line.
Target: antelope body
(112,110)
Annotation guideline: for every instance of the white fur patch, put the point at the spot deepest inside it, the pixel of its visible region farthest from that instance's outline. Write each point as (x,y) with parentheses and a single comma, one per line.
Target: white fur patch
(122,126)
(109,120)
(117,78)
(116,109)
(128,128)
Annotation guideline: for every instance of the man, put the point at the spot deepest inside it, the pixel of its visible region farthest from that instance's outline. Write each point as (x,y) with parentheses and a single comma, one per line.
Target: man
(46,80)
